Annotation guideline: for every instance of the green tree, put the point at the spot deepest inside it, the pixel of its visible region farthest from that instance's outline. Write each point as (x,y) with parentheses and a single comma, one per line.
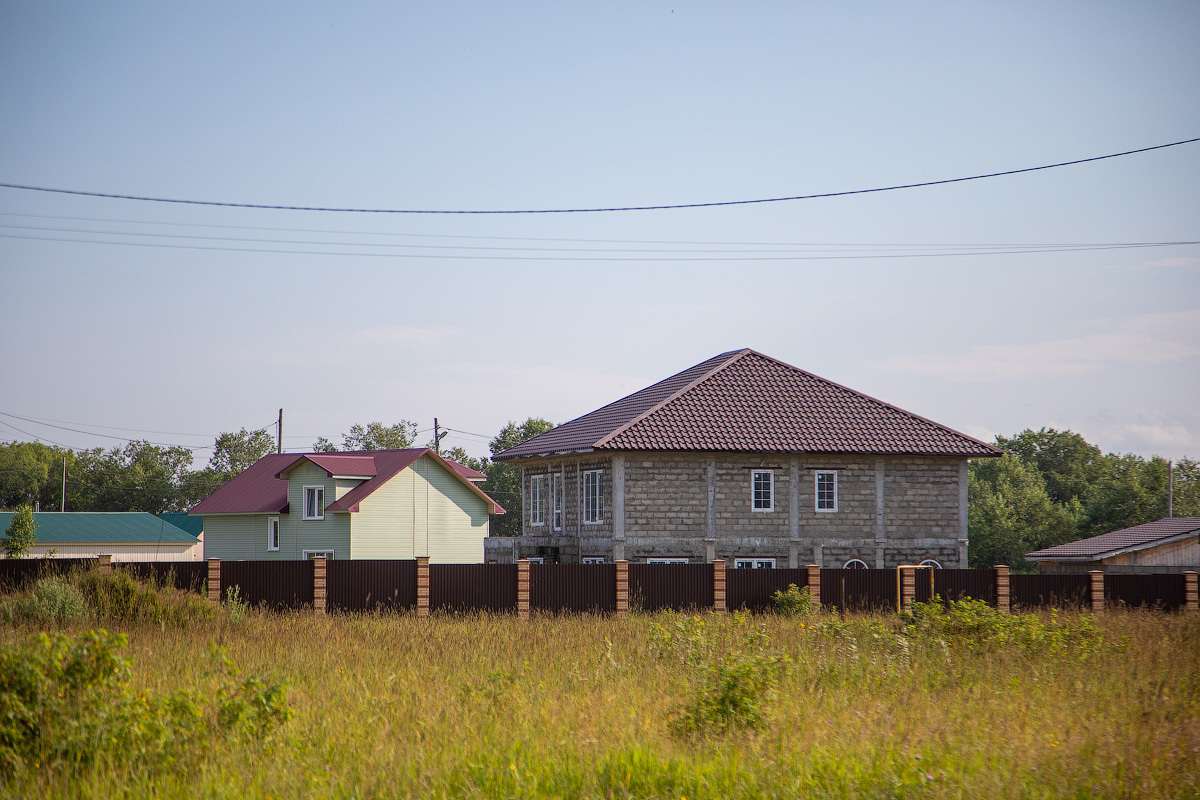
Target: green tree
(21,534)
(504,479)
(372,436)
(31,472)
(1129,491)
(1068,463)
(234,453)
(137,477)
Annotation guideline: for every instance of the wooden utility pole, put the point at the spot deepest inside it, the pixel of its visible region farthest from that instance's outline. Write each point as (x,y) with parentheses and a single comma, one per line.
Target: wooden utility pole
(279,434)
(64,495)
(1170,488)
(437,437)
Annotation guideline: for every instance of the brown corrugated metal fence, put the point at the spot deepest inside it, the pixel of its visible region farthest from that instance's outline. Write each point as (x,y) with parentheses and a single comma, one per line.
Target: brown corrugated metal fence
(472,587)
(1062,591)
(573,587)
(752,589)
(858,589)
(370,585)
(188,576)
(274,585)
(1154,590)
(958,584)
(655,587)
(18,574)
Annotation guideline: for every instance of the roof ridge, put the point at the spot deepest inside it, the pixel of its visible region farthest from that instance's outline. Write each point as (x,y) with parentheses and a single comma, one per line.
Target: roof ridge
(877,401)
(737,354)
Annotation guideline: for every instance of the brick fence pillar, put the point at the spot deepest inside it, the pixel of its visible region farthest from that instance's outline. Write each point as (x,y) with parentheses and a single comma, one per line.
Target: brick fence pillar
(1191,592)
(908,588)
(718,566)
(320,585)
(622,588)
(523,589)
(1097,589)
(1003,596)
(814,584)
(214,581)
(422,586)
(104,563)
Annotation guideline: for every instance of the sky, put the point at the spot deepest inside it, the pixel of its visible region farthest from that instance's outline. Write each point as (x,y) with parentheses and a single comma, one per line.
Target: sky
(1041,299)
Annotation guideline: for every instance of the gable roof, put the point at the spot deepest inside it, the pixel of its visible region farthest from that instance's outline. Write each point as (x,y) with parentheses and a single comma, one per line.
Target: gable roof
(1106,545)
(110,527)
(180,519)
(262,489)
(744,401)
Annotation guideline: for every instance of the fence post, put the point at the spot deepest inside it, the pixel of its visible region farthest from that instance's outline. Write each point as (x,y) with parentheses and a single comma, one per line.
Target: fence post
(422,586)
(214,581)
(622,588)
(1097,589)
(523,589)
(908,588)
(718,566)
(814,584)
(104,563)
(319,584)
(1191,592)
(1003,597)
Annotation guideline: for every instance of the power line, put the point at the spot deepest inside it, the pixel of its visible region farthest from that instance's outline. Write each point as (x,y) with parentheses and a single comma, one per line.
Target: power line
(665,207)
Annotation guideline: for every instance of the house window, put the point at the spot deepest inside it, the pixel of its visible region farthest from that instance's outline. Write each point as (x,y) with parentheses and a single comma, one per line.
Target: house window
(537,500)
(855,563)
(754,563)
(666,561)
(309,555)
(763,490)
(929,562)
(593,494)
(556,497)
(593,559)
(827,491)
(272,533)
(314,502)
(536,559)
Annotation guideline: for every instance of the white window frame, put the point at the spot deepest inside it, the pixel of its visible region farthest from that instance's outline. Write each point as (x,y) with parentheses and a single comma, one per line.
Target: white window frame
(593,559)
(307,555)
(754,563)
(536,559)
(556,500)
(930,562)
(593,507)
(537,500)
(754,490)
(817,491)
(668,561)
(855,561)
(272,534)
(321,489)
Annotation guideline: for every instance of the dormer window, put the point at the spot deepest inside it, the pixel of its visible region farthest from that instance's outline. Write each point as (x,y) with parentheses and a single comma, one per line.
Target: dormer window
(314,502)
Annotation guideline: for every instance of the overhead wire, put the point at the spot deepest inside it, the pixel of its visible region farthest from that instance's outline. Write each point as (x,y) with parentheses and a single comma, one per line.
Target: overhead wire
(592,210)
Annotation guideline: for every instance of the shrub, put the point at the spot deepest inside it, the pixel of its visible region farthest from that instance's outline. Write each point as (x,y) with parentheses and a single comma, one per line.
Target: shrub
(794,602)
(52,601)
(67,702)
(234,603)
(21,534)
(114,596)
(974,623)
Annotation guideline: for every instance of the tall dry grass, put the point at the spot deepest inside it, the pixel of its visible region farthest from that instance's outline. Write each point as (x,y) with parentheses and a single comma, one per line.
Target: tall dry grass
(490,706)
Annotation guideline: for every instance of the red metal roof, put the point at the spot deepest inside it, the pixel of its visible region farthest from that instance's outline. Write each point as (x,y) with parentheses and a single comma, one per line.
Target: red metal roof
(261,490)
(465,471)
(1107,544)
(744,401)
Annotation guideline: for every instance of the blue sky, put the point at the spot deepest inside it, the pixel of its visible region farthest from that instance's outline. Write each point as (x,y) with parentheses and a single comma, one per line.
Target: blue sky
(194,320)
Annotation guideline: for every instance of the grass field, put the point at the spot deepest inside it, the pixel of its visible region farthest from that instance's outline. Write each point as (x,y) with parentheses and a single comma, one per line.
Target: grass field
(670,706)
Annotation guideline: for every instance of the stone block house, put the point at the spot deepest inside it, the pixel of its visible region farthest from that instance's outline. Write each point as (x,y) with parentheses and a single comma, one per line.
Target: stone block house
(747,459)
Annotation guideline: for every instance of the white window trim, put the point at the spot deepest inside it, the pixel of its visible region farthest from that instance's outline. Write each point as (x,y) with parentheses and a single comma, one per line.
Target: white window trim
(929,562)
(272,529)
(593,559)
(754,563)
(599,507)
(537,501)
(817,491)
(536,559)
(304,503)
(557,497)
(854,560)
(753,480)
(307,554)
(668,561)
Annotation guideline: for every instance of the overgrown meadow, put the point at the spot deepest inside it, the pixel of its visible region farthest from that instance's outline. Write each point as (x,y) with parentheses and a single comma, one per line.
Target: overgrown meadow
(174,699)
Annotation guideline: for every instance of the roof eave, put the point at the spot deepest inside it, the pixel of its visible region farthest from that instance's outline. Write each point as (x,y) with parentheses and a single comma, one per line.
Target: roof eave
(1120,551)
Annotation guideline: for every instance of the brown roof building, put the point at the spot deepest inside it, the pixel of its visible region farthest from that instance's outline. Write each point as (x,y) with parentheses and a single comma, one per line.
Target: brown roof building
(746,458)
(1171,544)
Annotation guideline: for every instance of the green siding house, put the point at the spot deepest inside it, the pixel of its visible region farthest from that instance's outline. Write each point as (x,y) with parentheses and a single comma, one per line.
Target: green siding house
(370,504)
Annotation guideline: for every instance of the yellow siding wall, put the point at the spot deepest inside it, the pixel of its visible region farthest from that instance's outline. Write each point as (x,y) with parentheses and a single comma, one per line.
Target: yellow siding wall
(423,510)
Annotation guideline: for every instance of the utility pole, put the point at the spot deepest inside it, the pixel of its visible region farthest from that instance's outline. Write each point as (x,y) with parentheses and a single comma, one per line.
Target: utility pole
(437,437)
(1170,488)
(279,434)
(64,496)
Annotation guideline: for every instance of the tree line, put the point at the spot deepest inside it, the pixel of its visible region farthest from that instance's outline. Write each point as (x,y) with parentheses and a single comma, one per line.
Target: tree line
(1049,487)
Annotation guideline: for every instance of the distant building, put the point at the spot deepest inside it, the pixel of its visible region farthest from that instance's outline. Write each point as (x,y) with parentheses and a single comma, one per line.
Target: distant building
(751,460)
(1171,544)
(125,535)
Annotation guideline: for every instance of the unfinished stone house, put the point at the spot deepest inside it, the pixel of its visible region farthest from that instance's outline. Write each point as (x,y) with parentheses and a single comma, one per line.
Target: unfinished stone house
(747,459)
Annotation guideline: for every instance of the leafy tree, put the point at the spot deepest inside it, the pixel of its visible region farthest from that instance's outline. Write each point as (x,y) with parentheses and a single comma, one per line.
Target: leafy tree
(1068,463)
(21,534)
(504,479)
(1129,491)
(137,477)
(31,472)
(234,453)
(372,436)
